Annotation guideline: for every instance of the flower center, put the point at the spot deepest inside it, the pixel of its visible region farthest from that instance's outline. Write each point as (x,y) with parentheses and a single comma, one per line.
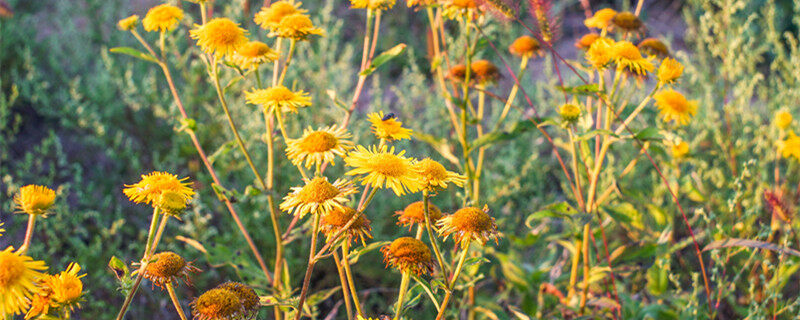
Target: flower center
(253,50)
(296,22)
(167,264)
(432,170)
(471,219)
(224,32)
(318,190)
(12,267)
(388,165)
(319,141)
(280,94)
(218,304)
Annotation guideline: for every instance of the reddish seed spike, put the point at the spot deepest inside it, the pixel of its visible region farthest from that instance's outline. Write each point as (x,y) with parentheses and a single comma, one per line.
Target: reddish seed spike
(541,10)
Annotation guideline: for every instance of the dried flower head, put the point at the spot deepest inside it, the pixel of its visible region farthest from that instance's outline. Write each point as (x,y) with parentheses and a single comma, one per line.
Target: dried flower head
(783,119)
(414,213)
(247,296)
(601,19)
(128,23)
(160,189)
(35,200)
(525,46)
(220,37)
(388,127)
(162,18)
(484,71)
(383,168)
(569,112)
(433,175)
(279,97)
(335,219)
(585,42)
(218,304)
(296,26)
(654,47)
(269,18)
(669,70)
(674,106)
(627,56)
(408,255)
(318,146)
(467,225)
(18,278)
(317,196)
(253,54)
(166,266)
(626,21)
(457,72)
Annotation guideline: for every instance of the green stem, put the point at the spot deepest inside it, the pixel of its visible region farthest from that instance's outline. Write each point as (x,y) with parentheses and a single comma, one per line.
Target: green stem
(402,295)
(279,116)
(452,282)
(312,260)
(429,228)
(288,61)
(145,260)
(175,301)
(349,274)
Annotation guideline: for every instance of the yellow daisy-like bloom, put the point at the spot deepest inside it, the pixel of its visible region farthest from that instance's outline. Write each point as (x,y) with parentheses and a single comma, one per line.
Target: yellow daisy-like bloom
(669,70)
(387,127)
(674,106)
(626,21)
(454,9)
(220,37)
(269,18)
(253,54)
(600,53)
(601,19)
(218,304)
(421,3)
(317,196)
(790,147)
(335,219)
(162,18)
(525,46)
(679,150)
(35,200)
(569,112)
(408,255)
(384,169)
(166,266)
(484,71)
(783,119)
(585,42)
(128,23)
(414,213)
(627,56)
(247,296)
(470,224)
(160,189)
(296,26)
(318,146)
(653,47)
(372,4)
(66,286)
(1,229)
(18,277)
(279,97)
(433,175)
(41,303)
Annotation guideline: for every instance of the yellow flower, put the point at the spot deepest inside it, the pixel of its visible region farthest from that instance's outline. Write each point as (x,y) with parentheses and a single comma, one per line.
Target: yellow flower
(335,219)
(384,168)
(414,213)
(220,36)
(626,21)
(253,54)
(162,18)
(296,26)
(601,19)
(317,196)
(279,97)
(680,149)
(627,56)
(525,46)
(1,229)
(40,304)
(270,17)
(247,297)
(669,70)
(387,127)
(674,106)
(408,255)
(166,266)
(654,47)
(470,224)
(18,278)
(128,23)
(318,146)
(585,42)
(66,286)
(600,52)
(372,4)
(218,304)
(422,3)
(433,175)
(783,119)
(35,200)
(160,189)
(790,147)
(569,112)
(454,9)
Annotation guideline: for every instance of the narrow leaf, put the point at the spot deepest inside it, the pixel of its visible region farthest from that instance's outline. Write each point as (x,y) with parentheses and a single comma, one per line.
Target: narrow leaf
(755,244)
(384,57)
(134,53)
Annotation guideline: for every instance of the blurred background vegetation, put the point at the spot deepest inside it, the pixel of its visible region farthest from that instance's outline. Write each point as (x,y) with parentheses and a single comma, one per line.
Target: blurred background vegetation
(77,118)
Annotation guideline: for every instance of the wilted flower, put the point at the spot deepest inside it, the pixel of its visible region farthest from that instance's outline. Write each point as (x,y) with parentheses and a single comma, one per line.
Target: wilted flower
(337,218)
(408,255)
(471,224)
(525,46)
(414,213)
(218,304)
(317,196)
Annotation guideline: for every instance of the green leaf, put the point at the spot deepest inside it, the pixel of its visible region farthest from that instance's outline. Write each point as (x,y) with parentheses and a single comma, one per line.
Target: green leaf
(134,53)
(516,129)
(582,90)
(384,57)
(323,295)
(649,134)
(117,264)
(555,210)
(355,254)
(187,125)
(755,244)
(221,151)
